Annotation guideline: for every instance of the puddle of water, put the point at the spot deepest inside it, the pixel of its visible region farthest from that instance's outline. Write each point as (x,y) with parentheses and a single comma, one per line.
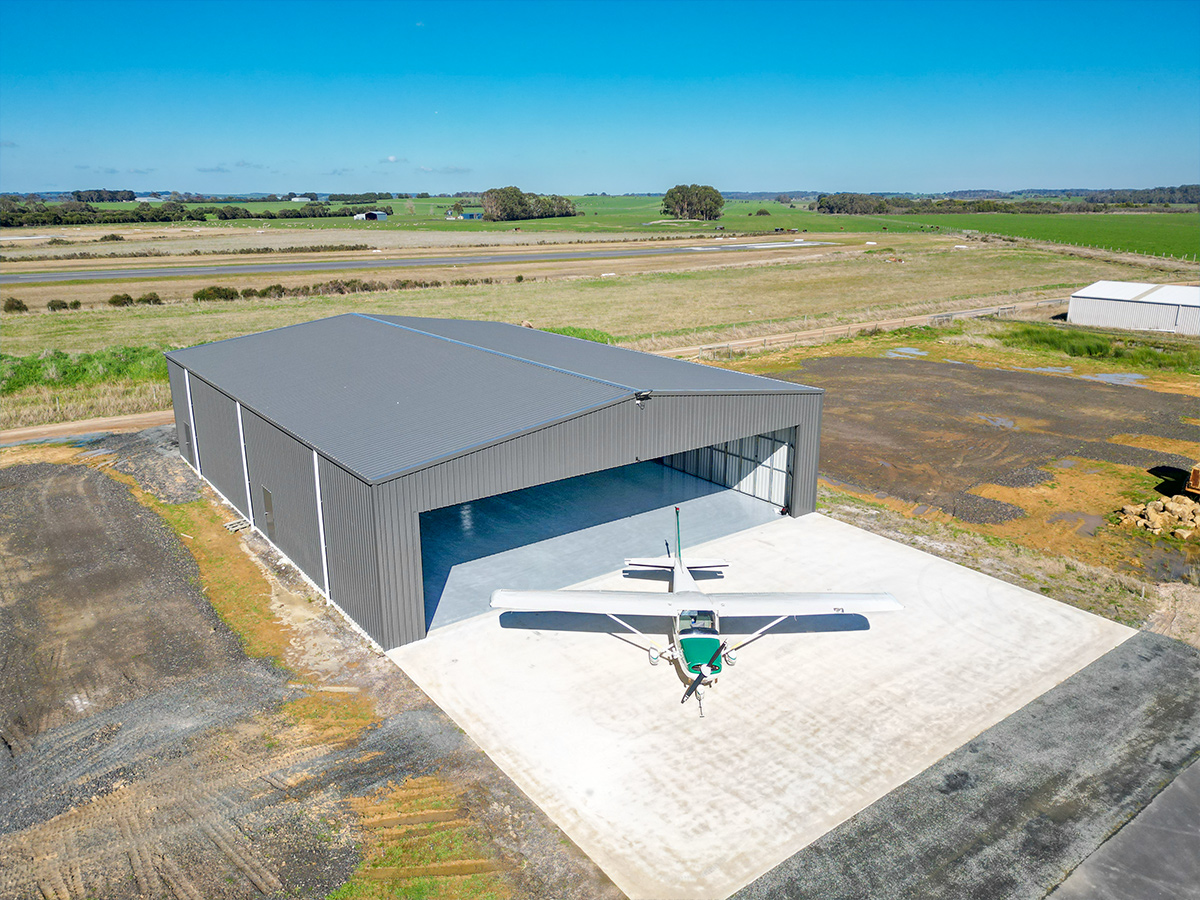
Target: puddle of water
(880,495)
(1063,463)
(1000,422)
(1166,561)
(1088,523)
(1056,370)
(921,509)
(955,362)
(905,353)
(1127,379)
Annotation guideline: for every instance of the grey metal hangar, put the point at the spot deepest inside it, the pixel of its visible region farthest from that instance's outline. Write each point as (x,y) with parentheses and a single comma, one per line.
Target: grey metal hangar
(333,437)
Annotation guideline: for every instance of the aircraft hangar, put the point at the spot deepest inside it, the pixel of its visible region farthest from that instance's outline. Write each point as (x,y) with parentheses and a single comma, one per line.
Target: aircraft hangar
(340,440)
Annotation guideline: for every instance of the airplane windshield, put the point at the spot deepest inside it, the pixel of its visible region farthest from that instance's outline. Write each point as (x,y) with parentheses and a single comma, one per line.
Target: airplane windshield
(697,621)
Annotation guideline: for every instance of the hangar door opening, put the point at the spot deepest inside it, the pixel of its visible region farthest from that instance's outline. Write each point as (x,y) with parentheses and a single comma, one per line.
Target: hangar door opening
(760,466)
(560,533)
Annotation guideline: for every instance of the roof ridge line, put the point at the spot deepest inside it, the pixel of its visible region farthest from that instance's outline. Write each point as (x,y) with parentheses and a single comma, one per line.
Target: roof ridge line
(531,362)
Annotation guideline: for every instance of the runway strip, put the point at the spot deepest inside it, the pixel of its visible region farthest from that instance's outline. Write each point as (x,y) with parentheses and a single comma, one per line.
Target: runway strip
(338,265)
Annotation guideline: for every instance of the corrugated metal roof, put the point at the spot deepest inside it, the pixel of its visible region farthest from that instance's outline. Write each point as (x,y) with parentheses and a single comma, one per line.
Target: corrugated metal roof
(1177,294)
(638,371)
(381,397)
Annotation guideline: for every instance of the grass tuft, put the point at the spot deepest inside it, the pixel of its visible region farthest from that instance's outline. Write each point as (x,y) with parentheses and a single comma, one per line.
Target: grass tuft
(1096,345)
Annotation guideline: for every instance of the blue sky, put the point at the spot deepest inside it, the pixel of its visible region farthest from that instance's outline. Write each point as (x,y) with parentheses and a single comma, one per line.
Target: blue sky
(580,97)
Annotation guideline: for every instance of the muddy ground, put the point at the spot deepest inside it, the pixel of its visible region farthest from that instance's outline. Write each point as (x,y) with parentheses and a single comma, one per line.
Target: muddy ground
(931,432)
(145,755)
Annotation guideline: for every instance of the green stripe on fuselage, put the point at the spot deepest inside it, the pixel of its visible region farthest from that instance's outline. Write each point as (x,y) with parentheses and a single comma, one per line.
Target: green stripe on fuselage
(697,650)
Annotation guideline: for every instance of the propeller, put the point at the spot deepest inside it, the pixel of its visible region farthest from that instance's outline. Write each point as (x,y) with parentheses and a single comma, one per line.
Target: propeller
(705,671)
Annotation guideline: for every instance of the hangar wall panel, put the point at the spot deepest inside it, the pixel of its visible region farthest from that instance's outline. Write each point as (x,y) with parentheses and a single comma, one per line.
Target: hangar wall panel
(401,582)
(1134,315)
(179,402)
(283,466)
(615,435)
(217,439)
(1189,320)
(806,459)
(350,546)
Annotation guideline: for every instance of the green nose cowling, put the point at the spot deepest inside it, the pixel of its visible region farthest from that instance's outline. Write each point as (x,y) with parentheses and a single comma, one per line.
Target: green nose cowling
(698,650)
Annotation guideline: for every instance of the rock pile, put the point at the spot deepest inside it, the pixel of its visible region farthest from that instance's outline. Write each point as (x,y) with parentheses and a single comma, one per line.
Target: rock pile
(1178,516)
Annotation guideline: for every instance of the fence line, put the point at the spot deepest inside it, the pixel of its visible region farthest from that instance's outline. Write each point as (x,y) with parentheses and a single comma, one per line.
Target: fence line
(820,335)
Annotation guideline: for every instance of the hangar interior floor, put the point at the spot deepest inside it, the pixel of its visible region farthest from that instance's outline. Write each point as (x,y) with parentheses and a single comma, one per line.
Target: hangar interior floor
(558,534)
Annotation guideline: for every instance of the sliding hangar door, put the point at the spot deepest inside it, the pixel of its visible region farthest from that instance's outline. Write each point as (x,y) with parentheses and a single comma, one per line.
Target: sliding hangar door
(332,437)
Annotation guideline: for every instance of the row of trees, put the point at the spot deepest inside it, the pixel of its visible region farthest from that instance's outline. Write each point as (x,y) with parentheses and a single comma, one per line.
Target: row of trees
(510,204)
(103,196)
(693,201)
(875,205)
(37,213)
(360,198)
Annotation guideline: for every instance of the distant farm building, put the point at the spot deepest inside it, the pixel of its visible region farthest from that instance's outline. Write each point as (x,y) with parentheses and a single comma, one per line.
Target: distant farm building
(1172,308)
(371,216)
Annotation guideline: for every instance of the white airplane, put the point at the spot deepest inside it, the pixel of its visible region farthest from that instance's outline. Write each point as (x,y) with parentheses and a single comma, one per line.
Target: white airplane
(695,646)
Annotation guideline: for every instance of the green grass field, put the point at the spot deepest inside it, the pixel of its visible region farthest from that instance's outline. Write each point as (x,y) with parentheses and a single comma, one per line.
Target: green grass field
(1174,234)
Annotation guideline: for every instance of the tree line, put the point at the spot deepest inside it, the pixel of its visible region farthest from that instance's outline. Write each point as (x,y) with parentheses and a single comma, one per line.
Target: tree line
(510,204)
(37,213)
(102,196)
(875,204)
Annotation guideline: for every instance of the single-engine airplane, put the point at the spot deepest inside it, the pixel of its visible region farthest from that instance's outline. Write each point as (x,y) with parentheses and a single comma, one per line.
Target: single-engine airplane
(695,644)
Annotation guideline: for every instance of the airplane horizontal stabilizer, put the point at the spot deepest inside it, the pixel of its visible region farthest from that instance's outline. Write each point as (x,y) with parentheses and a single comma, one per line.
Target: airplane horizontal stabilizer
(666,562)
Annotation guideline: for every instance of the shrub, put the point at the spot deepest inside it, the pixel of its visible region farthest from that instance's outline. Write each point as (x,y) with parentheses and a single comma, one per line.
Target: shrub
(58,242)
(150,299)
(120,300)
(763,212)
(586,334)
(56,305)
(74,304)
(109,237)
(249,292)
(215,293)
(519,279)
(12,304)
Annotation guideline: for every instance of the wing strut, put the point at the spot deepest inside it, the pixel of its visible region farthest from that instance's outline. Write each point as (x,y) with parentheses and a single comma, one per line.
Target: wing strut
(759,633)
(640,634)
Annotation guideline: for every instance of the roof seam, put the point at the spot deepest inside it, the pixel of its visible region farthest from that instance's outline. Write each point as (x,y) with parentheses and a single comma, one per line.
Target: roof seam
(492,442)
(521,359)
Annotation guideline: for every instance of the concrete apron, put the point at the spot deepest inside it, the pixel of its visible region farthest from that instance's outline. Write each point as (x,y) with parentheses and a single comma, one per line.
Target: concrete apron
(804,732)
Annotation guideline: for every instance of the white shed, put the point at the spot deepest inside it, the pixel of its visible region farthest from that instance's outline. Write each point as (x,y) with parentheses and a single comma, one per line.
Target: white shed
(1173,308)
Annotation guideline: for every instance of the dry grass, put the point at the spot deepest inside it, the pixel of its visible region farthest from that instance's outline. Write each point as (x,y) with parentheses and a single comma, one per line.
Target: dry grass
(707,305)
(42,405)
(972,341)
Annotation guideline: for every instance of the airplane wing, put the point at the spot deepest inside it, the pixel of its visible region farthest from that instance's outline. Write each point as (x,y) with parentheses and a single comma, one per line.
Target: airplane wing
(790,604)
(645,603)
(618,603)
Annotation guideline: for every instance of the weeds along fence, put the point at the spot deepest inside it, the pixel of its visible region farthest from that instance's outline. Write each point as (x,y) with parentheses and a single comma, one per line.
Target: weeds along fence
(727,349)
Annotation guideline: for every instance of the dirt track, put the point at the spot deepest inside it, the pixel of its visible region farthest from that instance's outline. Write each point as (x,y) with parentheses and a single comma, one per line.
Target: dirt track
(145,755)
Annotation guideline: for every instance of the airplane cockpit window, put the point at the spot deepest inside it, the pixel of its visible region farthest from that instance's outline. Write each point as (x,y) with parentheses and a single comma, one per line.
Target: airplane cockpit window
(697,621)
